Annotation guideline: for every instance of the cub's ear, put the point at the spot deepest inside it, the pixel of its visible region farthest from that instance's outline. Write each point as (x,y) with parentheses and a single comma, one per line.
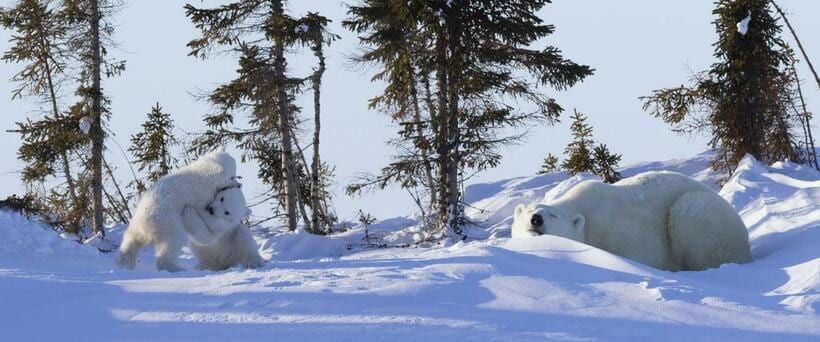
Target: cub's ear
(578,222)
(519,209)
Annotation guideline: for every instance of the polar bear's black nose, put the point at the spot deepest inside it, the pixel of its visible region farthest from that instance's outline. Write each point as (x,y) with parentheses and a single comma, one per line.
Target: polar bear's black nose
(210,210)
(536,221)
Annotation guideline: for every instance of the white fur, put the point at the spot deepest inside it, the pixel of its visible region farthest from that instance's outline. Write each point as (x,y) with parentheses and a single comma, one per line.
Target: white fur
(158,219)
(223,249)
(663,219)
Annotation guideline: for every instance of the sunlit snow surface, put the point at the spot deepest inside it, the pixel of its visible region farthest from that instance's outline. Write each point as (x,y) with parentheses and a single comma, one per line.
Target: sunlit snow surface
(545,288)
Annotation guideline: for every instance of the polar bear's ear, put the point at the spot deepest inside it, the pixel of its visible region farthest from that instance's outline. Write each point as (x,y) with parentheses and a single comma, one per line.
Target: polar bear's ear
(578,221)
(519,209)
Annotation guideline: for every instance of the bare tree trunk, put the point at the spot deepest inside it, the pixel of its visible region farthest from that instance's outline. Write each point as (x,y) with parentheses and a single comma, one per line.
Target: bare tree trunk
(97,133)
(72,189)
(315,166)
(806,118)
(442,121)
(284,123)
(302,163)
(799,44)
(422,142)
(453,79)
(119,190)
(432,113)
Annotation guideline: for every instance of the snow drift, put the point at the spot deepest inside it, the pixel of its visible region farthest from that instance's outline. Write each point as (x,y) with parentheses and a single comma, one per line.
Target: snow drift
(491,288)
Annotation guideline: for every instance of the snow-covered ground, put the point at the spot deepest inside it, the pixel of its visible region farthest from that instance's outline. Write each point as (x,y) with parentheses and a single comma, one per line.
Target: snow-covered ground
(492,288)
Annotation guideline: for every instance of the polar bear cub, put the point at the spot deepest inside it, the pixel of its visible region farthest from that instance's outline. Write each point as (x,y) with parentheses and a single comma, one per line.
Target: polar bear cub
(158,218)
(662,219)
(215,247)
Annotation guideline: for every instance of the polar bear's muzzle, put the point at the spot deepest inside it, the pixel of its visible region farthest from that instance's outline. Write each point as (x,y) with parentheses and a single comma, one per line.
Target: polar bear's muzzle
(536,221)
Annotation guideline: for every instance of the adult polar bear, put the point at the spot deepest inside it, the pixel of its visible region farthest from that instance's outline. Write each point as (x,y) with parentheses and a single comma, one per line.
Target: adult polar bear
(663,219)
(158,219)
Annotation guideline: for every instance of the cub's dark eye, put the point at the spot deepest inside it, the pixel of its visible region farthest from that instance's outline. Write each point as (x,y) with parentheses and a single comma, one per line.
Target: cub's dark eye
(553,215)
(227,213)
(536,221)
(222,199)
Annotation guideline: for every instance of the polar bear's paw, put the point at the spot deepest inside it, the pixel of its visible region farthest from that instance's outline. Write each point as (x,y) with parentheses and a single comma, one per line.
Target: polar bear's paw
(126,261)
(254,263)
(168,265)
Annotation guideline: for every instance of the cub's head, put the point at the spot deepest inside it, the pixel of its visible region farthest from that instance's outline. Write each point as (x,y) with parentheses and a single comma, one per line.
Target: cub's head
(539,219)
(229,204)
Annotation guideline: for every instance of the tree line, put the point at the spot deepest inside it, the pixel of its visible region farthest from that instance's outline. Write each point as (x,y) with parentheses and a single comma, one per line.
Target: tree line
(461,80)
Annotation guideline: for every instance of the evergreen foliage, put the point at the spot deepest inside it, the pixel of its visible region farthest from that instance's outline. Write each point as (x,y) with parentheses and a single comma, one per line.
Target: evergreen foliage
(582,155)
(578,152)
(741,101)
(44,43)
(452,69)
(551,164)
(259,32)
(152,148)
(605,163)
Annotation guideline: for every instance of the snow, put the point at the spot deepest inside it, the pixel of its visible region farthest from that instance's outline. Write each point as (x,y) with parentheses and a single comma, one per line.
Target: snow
(493,288)
(302,28)
(743,25)
(85,124)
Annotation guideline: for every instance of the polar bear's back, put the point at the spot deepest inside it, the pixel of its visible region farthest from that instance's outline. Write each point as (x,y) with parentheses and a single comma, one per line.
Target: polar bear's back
(625,217)
(192,185)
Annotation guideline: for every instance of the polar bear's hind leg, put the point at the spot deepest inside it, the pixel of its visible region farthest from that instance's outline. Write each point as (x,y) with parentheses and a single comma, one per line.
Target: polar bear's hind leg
(129,248)
(168,249)
(706,232)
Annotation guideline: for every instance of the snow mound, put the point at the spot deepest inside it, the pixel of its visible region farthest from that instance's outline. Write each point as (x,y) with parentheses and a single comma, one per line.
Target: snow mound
(22,236)
(300,245)
(543,288)
(491,205)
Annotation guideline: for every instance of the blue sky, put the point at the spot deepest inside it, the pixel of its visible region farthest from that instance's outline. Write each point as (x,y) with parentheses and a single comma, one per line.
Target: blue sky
(635,47)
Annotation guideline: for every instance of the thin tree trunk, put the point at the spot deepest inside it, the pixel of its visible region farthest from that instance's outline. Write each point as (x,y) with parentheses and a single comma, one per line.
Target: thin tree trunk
(284,123)
(453,79)
(805,116)
(799,44)
(442,143)
(299,199)
(44,58)
(316,163)
(422,142)
(119,190)
(97,133)
(120,215)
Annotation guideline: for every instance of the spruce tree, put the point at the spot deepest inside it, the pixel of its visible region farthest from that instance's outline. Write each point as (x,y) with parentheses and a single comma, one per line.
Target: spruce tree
(41,43)
(475,58)
(152,148)
(65,44)
(605,163)
(741,101)
(578,153)
(260,32)
(551,164)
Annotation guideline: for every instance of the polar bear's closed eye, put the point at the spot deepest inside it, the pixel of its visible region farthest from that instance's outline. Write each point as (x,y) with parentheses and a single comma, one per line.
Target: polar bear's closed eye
(544,219)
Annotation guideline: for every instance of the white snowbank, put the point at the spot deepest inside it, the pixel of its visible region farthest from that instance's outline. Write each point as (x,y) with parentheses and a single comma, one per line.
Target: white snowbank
(544,288)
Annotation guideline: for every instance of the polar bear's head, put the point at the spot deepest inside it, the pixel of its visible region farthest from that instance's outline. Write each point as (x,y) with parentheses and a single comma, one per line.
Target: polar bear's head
(539,219)
(229,204)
